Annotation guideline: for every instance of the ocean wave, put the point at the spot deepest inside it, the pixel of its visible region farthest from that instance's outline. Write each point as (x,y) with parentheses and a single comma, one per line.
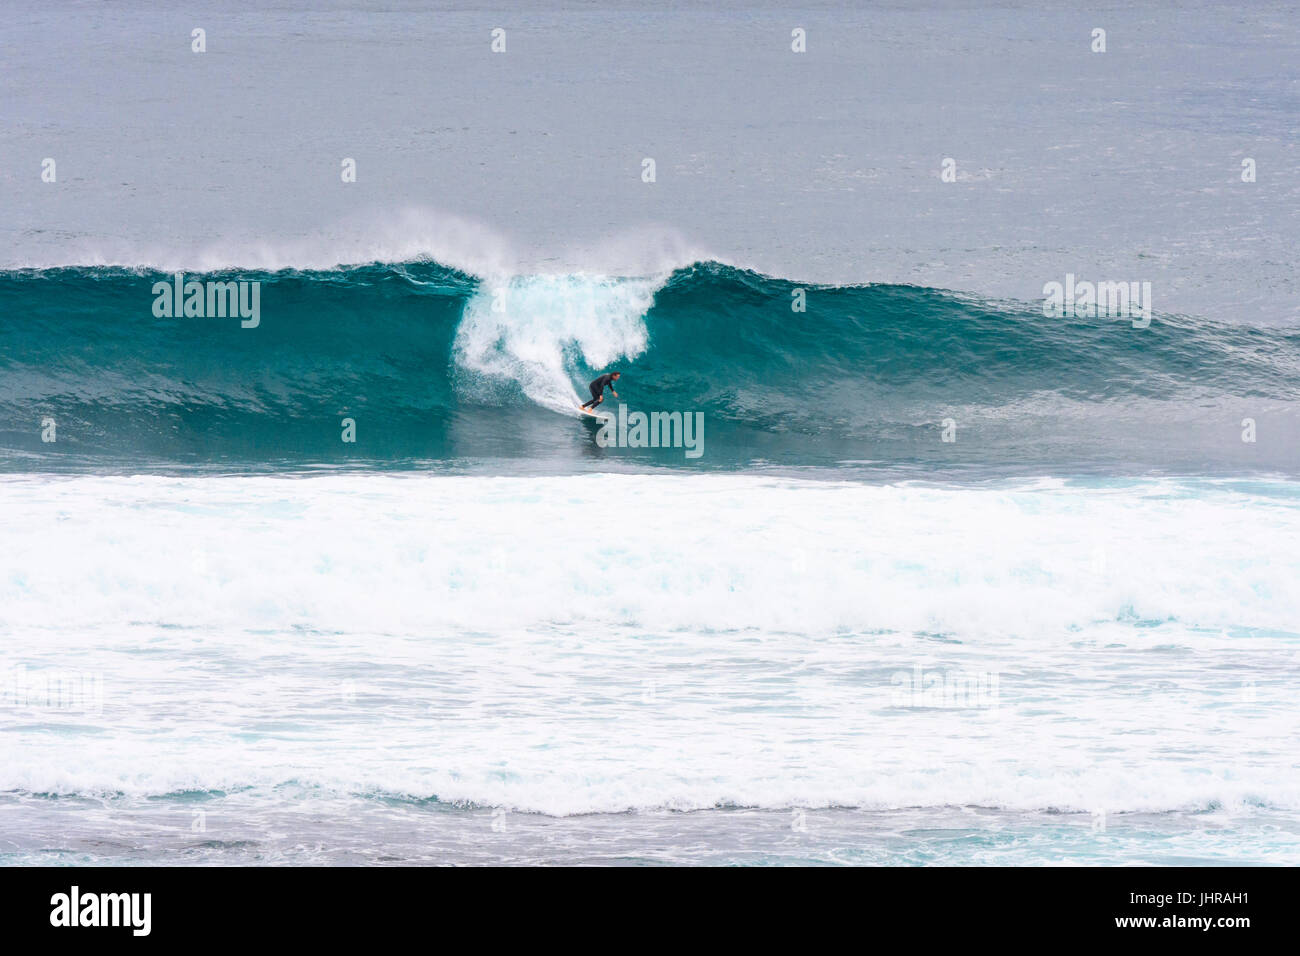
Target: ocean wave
(425,358)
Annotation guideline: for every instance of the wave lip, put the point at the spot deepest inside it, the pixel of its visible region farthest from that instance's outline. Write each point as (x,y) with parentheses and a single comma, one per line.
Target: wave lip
(415,234)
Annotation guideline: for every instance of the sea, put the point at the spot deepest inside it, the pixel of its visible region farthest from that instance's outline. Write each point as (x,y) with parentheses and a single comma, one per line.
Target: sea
(307,556)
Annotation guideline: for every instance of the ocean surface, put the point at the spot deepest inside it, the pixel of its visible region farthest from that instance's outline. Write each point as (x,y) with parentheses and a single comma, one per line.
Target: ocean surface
(439,369)
(937,579)
(477,634)
(714,667)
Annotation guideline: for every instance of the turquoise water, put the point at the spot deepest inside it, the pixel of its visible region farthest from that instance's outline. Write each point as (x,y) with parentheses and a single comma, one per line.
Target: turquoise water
(439,369)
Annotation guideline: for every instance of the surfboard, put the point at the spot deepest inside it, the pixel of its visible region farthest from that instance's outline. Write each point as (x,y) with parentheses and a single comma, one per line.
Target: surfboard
(591,414)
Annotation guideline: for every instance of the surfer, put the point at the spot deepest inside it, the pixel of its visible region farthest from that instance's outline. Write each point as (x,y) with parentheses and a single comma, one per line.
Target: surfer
(598,389)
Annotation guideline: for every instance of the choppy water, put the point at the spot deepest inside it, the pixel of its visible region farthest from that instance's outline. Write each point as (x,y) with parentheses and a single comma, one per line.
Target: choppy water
(997,667)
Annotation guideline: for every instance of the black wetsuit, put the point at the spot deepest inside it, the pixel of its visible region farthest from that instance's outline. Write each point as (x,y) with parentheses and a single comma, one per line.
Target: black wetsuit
(598,389)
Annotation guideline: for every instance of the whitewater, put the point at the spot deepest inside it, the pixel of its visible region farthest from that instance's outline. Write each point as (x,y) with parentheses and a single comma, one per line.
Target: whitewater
(650,644)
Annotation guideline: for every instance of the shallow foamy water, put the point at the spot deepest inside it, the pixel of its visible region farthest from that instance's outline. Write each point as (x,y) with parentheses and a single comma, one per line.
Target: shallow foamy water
(385,668)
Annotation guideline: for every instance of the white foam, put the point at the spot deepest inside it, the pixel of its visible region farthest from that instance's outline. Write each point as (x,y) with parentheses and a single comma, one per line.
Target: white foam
(528,330)
(405,234)
(569,645)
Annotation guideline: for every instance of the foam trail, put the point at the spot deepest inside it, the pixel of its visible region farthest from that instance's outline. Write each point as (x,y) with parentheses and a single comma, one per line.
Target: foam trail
(407,234)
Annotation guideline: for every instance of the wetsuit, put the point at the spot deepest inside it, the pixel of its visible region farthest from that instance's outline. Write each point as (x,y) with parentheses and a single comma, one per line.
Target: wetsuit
(598,389)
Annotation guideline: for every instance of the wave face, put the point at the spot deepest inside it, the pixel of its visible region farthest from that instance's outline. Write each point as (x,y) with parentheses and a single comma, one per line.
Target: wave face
(434,365)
